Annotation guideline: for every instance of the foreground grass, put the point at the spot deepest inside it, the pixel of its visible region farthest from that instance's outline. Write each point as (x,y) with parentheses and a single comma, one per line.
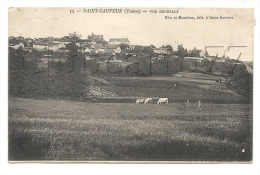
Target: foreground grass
(65,130)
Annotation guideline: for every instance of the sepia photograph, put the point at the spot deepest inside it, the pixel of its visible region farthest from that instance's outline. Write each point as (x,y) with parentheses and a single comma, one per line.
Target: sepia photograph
(118,84)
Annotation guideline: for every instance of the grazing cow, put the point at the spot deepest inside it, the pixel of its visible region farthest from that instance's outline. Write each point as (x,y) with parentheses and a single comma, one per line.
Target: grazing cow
(163,100)
(148,101)
(140,101)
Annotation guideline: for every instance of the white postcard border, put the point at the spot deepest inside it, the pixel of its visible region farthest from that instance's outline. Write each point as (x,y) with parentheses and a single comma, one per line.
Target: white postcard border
(36,168)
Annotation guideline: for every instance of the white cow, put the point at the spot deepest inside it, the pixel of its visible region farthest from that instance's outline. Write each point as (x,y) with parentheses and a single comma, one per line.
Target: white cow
(140,101)
(148,101)
(163,100)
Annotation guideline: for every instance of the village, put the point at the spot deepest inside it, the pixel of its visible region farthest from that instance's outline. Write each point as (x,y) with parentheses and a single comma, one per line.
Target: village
(95,44)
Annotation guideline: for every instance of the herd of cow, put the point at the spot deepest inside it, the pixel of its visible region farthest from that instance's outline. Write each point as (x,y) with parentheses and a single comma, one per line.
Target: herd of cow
(149,100)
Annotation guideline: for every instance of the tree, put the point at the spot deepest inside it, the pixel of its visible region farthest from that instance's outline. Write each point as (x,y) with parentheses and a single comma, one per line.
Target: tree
(22,73)
(74,36)
(35,54)
(72,47)
(181,52)
(194,52)
(137,49)
(13,40)
(169,47)
(123,47)
(148,50)
(241,80)
(73,56)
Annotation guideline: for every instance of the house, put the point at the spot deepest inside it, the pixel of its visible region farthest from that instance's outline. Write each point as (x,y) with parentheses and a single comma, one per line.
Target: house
(194,58)
(56,46)
(196,53)
(117,41)
(89,58)
(84,43)
(117,50)
(210,58)
(93,48)
(62,49)
(17,45)
(110,49)
(40,46)
(220,60)
(52,46)
(63,41)
(201,53)
(57,42)
(87,50)
(161,50)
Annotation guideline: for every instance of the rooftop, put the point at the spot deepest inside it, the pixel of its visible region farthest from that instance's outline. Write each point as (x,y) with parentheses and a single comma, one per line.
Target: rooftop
(119,40)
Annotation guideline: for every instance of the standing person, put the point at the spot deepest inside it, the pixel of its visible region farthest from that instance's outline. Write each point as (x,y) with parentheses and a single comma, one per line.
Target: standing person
(199,106)
(186,106)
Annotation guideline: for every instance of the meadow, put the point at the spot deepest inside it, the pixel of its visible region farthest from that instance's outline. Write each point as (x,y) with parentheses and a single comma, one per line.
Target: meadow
(193,86)
(68,130)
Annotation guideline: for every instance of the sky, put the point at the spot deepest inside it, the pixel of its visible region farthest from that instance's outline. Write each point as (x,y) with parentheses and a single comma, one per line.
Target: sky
(145,28)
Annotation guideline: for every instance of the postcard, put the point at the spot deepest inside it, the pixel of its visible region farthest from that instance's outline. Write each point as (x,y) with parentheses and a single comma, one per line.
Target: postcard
(144,85)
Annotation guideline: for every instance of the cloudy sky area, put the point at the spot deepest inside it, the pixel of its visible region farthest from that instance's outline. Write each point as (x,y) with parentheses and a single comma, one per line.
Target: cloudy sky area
(145,28)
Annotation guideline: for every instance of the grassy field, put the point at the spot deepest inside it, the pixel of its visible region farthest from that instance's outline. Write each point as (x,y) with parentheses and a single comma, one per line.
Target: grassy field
(66,130)
(193,86)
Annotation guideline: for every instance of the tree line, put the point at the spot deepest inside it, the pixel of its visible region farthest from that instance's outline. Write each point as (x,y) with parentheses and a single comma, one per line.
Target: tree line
(27,80)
